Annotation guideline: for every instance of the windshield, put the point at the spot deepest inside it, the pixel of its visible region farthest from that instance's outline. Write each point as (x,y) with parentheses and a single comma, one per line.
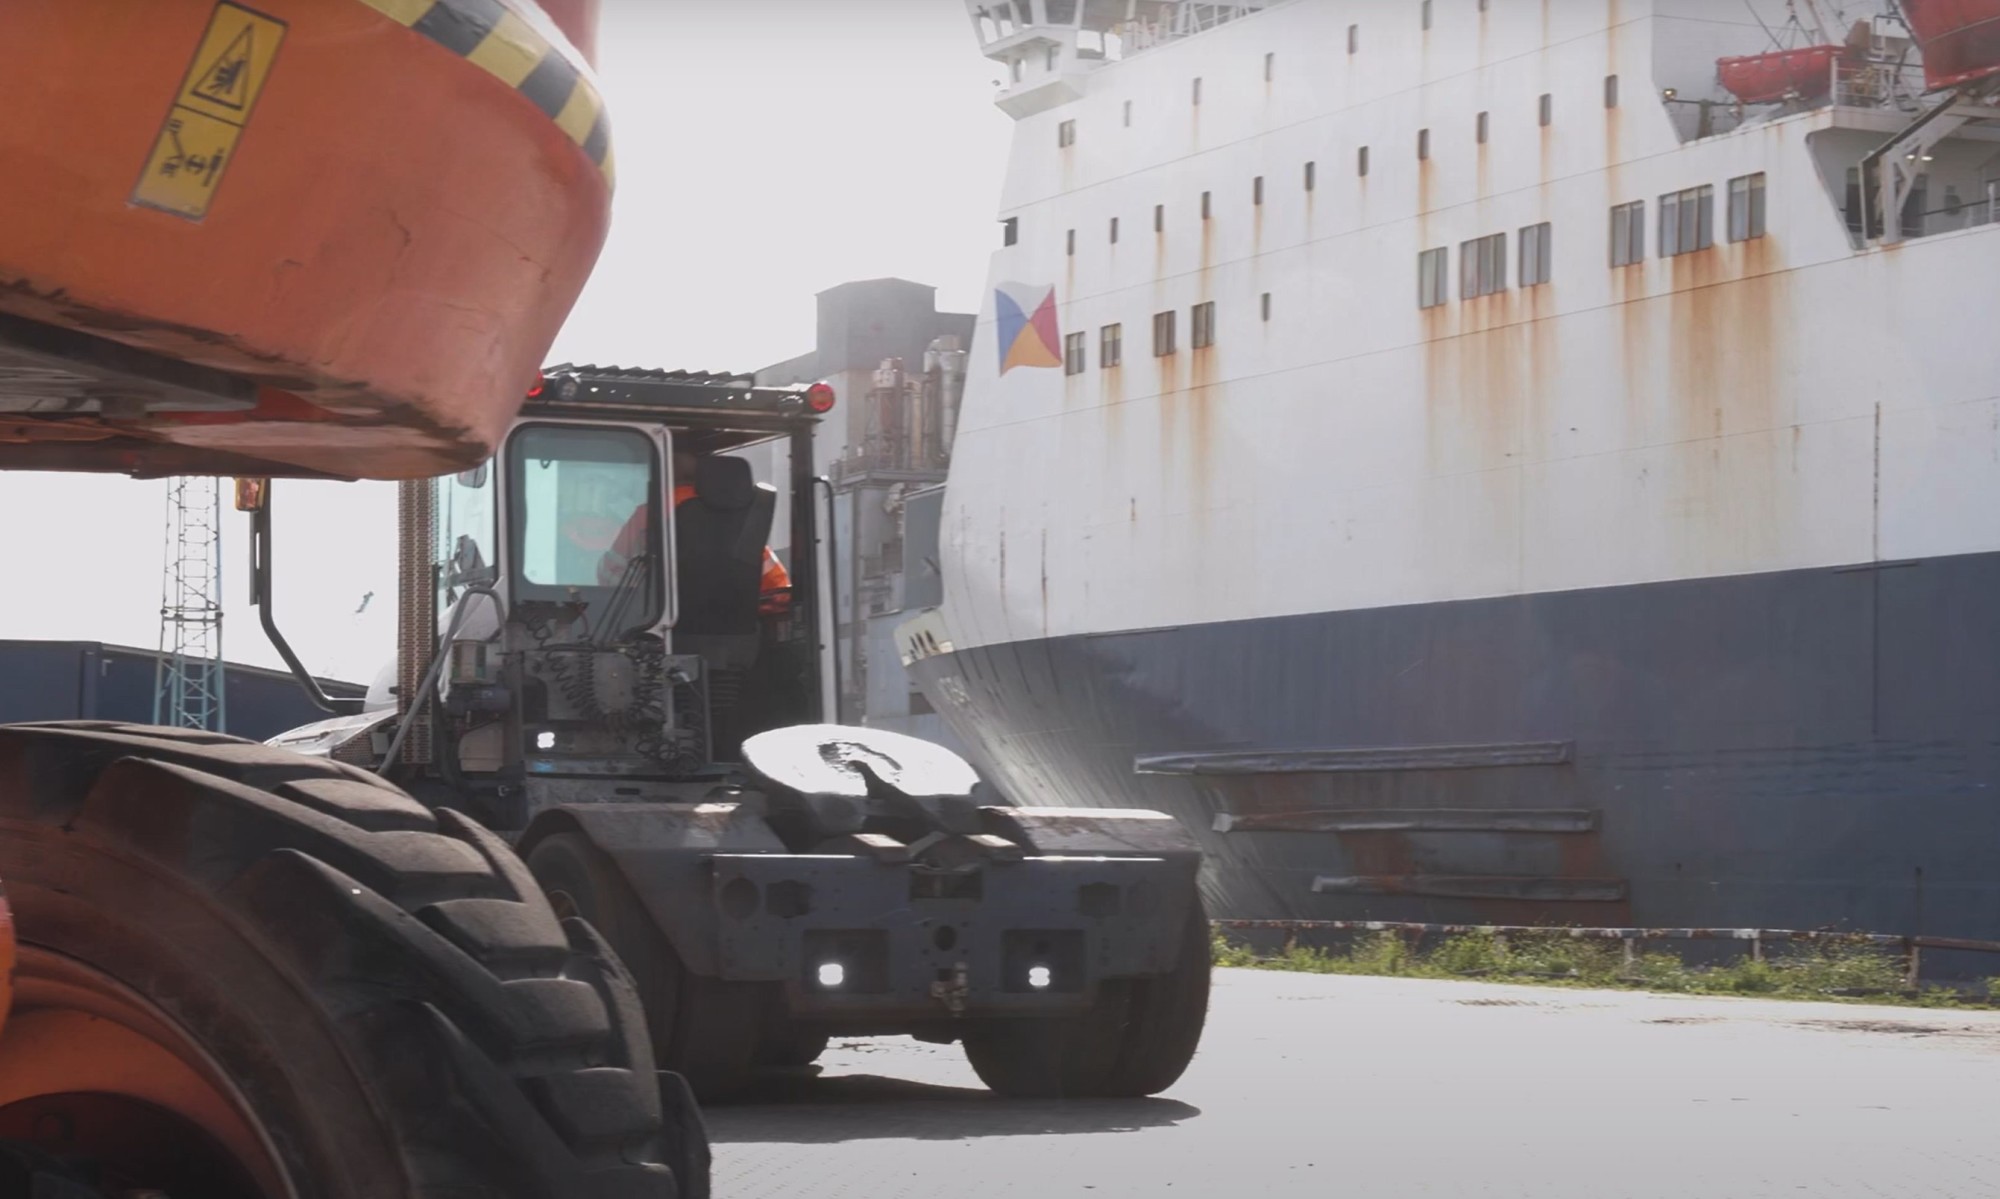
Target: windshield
(585,504)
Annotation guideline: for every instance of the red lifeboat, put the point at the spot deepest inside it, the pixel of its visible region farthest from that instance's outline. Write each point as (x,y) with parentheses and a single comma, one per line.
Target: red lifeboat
(1805,73)
(1960,39)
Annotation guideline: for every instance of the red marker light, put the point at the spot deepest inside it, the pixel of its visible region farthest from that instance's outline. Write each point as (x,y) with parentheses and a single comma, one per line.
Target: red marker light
(819,397)
(540,382)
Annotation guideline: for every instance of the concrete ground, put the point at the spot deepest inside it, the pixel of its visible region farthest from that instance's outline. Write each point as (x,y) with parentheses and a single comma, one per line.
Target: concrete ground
(1316,1085)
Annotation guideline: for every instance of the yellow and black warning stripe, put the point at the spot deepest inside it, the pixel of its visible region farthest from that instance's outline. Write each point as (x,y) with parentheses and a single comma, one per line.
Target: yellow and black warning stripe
(487,34)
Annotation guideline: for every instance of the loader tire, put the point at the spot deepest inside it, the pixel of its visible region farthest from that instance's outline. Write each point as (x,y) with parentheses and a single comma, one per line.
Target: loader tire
(1164,1016)
(379,991)
(1135,1040)
(707,1030)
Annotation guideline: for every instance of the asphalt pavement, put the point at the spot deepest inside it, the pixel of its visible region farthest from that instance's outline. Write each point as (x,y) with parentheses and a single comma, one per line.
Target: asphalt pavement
(1310,1085)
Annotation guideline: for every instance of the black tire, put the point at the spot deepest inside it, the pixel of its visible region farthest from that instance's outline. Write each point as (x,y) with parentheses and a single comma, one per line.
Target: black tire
(786,1047)
(384,986)
(1135,1040)
(706,1030)
(1164,1016)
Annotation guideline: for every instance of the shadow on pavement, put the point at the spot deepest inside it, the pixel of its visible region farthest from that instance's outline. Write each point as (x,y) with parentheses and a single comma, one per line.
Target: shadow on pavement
(801,1110)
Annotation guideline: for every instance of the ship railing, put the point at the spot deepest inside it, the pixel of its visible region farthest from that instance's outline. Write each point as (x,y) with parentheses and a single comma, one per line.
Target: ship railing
(1872,82)
(1754,940)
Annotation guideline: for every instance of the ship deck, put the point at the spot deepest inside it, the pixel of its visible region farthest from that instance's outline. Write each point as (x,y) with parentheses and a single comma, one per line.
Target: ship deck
(1310,1085)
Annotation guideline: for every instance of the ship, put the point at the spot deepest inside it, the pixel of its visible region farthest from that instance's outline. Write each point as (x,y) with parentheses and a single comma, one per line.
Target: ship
(1474,467)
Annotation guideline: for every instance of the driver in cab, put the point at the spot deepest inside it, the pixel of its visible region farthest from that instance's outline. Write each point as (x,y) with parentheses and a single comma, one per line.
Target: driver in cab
(776,583)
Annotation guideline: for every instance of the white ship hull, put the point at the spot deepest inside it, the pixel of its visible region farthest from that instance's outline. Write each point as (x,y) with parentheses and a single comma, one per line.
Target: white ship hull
(1719,524)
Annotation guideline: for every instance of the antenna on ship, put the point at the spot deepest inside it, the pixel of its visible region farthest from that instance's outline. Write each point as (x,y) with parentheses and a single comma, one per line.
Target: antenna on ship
(188,682)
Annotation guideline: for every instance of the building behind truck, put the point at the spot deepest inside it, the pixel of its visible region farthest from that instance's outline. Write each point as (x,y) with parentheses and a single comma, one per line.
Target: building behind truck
(898,366)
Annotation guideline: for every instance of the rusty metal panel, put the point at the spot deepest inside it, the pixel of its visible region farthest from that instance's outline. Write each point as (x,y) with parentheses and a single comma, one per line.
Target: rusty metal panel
(1466,886)
(1412,820)
(1358,760)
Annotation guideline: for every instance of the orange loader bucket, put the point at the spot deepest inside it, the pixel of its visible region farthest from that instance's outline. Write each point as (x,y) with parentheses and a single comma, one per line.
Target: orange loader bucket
(288,237)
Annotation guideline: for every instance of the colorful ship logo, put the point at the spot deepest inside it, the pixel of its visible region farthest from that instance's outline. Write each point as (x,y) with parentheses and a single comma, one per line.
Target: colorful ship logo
(1026,315)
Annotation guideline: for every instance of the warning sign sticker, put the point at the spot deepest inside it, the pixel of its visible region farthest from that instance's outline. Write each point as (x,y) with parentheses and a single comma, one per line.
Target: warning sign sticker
(199,136)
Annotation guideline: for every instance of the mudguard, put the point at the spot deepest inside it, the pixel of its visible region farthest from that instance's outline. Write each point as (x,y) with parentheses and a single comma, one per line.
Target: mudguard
(664,852)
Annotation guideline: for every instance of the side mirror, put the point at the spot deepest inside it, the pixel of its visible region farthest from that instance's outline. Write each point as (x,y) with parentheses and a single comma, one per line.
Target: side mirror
(474,478)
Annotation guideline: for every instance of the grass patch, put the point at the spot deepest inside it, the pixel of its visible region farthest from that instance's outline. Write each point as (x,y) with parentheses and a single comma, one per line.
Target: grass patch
(1826,970)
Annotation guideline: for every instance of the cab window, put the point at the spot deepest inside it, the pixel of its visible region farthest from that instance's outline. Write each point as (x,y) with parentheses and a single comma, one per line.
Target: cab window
(585,504)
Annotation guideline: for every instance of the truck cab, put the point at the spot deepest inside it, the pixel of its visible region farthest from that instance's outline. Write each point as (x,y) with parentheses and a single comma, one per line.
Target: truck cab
(604,661)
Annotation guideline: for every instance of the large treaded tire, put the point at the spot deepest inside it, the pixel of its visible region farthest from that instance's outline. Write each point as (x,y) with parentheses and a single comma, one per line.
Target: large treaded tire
(385,986)
(1136,1039)
(706,1030)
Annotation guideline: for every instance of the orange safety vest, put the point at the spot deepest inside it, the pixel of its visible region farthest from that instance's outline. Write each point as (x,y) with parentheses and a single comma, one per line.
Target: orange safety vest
(633,535)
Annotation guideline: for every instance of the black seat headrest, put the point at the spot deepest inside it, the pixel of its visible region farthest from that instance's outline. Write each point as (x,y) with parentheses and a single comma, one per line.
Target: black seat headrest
(724,483)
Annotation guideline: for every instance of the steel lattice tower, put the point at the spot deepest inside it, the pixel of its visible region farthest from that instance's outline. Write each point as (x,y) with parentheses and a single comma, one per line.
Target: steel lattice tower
(188,687)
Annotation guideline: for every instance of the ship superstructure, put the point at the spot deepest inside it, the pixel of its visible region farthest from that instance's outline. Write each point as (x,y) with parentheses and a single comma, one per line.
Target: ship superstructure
(1478,466)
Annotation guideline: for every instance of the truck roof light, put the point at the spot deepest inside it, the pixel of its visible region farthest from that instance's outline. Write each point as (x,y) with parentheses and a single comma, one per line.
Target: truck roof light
(819,398)
(541,381)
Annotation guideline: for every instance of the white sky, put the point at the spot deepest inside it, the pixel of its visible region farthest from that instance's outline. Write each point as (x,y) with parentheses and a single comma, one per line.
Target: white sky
(767,150)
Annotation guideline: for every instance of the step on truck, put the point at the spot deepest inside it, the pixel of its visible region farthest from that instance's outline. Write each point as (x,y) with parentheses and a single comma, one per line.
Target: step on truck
(629,687)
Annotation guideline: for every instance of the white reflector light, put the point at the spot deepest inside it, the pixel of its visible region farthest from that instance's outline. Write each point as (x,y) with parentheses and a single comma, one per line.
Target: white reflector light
(831,974)
(1038,977)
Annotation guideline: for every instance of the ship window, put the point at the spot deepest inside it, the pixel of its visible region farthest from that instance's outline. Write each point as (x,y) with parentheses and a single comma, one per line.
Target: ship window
(1204,206)
(1062,12)
(1353,39)
(1427,14)
(1361,161)
(1479,129)
(1536,258)
(1432,267)
(1201,325)
(1014,69)
(1611,91)
(1545,109)
(1110,346)
(1128,114)
(1066,134)
(1746,207)
(1114,231)
(1010,231)
(1264,303)
(1270,66)
(1163,334)
(1310,171)
(1071,250)
(1159,218)
(1257,190)
(1423,143)
(1628,233)
(1197,89)
(1073,353)
(1482,266)
(1687,221)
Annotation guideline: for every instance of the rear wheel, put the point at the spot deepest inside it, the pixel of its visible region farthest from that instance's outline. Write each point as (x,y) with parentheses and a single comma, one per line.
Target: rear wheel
(787,1047)
(706,1030)
(1135,1040)
(244,972)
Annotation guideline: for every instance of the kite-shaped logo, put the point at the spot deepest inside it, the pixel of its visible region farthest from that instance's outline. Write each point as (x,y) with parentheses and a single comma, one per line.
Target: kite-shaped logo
(1026,315)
